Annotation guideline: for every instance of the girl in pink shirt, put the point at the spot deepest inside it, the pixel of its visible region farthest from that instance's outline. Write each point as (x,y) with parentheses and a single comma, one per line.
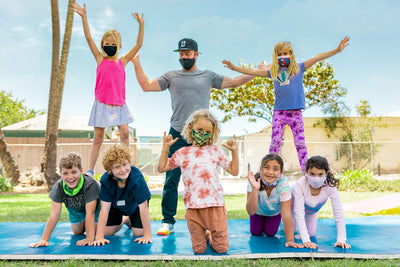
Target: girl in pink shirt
(310,193)
(109,108)
(203,196)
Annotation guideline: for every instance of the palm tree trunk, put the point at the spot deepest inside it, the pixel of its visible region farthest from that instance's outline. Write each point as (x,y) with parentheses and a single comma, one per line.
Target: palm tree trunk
(10,166)
(58,70)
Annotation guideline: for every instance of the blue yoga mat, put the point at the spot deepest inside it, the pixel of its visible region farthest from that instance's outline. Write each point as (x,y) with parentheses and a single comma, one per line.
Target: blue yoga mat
(370,237)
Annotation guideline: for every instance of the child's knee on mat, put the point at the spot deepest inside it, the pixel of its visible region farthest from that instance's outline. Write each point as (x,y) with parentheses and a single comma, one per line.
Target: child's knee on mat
(220,248)
(78,228)
(137,231)
(200,249)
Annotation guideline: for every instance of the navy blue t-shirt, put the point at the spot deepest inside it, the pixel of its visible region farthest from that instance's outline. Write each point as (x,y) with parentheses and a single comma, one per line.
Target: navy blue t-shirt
(128,198)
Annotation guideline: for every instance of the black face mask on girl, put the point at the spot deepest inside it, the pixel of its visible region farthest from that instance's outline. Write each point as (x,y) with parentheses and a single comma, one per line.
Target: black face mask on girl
(187,63)
(110,50)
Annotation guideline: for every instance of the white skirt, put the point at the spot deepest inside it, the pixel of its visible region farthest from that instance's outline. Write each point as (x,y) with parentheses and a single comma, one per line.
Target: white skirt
(103,115)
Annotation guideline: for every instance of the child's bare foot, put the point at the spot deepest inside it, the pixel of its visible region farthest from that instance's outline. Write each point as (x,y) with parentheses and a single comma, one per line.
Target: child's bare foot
(208,236)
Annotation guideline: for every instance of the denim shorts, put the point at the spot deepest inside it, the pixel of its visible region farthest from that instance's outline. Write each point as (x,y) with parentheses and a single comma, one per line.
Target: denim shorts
(76,217)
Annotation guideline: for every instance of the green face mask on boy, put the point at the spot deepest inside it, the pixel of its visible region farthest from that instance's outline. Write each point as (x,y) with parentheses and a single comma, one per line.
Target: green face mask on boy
(201,138)
(73,192)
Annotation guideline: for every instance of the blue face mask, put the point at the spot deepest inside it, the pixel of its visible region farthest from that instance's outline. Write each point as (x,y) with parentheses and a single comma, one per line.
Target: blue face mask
(284,61)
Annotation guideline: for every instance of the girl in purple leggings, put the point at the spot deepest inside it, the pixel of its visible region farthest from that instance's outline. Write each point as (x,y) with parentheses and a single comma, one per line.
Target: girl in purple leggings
(268,200)
(287,76)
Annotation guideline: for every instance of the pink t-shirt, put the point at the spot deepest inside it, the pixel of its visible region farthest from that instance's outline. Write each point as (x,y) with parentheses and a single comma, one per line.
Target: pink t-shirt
(110,82)
(304,203)
(199,166)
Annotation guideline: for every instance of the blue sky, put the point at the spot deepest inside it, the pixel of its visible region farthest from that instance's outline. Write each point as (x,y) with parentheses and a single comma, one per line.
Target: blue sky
(232,30)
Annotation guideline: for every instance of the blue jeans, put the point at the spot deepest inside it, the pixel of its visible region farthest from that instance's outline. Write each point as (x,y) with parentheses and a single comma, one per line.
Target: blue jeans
(170,191)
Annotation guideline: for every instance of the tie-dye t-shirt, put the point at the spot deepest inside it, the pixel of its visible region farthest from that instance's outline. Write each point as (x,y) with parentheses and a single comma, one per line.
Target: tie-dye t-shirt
(199,167)
(271,205)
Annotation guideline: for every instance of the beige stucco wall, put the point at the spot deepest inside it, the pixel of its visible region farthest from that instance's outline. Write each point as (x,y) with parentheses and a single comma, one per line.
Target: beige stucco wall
(387,135)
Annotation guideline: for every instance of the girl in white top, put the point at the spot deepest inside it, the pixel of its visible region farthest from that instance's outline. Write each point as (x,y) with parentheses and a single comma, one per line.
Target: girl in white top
(268,200)
(310,193)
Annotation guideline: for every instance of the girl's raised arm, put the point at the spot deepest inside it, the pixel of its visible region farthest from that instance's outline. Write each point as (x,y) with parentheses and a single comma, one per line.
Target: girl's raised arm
(82,12)
(342,45)
(252,197)
(260,72)
(168,141)
(139,42)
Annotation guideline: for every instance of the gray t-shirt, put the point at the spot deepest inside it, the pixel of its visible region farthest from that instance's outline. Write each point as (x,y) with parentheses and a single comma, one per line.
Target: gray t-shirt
(190,91)
(90,191)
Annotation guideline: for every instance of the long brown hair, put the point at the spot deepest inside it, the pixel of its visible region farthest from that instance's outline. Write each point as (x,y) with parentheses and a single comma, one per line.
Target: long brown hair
(267,158)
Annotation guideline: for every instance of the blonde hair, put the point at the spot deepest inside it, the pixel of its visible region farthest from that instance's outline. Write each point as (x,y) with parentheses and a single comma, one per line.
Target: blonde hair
(116,154)
(292,68)
(117,38)
(70,160)
(193,118)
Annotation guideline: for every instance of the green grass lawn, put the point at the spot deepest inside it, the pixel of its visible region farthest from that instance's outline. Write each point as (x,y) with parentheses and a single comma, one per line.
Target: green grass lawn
(36,208)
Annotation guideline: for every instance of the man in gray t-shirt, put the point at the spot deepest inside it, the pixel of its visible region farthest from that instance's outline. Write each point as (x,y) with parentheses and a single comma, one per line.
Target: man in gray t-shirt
(190,90)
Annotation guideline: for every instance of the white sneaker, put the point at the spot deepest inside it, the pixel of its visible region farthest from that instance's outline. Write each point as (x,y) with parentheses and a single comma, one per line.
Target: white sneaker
(165,229)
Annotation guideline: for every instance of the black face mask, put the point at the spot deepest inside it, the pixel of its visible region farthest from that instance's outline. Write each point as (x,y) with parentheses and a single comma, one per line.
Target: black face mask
(187,63)
(110,50)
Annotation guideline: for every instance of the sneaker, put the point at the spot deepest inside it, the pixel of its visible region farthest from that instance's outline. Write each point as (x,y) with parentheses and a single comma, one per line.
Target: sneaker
(165,229)
(90,173)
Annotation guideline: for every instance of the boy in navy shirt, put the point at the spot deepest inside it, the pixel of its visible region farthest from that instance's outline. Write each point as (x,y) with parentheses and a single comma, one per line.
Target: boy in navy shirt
(124,192)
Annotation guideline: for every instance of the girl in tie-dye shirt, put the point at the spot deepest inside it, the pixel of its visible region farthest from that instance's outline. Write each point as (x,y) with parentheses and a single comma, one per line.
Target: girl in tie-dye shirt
(203,196)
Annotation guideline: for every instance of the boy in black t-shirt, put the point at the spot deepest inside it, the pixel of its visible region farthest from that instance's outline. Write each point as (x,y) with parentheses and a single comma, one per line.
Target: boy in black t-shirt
(79,193)
(124,192)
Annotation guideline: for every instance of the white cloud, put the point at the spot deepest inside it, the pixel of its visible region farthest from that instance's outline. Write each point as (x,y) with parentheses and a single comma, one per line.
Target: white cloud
(19,29)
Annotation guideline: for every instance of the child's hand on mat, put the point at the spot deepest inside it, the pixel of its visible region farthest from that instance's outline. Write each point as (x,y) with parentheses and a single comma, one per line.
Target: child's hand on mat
(41,243)
(310,245)
(144,240)
(293,244)
(84,242)
(342,245)
(101,242)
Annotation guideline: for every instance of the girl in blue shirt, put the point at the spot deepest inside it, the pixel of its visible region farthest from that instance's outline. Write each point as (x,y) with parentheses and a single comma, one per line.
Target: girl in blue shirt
(287,77)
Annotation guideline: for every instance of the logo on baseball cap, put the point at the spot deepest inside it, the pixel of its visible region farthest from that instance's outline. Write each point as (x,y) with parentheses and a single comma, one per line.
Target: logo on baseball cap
(187,44)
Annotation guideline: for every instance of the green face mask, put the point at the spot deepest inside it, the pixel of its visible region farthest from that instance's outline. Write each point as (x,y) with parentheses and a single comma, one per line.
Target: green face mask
(73,192)
(201,138)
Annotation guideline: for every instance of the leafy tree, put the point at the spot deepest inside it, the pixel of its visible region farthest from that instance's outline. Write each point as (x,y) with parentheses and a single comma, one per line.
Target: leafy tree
(58,69)
(356,132)
(256,98)
(13,111)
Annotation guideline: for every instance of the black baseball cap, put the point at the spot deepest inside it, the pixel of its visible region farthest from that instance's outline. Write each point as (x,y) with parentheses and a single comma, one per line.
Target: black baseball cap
(187,44)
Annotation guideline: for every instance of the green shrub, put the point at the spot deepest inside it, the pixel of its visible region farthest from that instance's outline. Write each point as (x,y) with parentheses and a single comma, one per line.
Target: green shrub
(5,184)
(364,181)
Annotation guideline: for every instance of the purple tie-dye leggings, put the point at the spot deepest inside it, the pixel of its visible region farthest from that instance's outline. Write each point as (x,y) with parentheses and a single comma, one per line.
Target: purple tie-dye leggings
(294,119)
(267,224)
